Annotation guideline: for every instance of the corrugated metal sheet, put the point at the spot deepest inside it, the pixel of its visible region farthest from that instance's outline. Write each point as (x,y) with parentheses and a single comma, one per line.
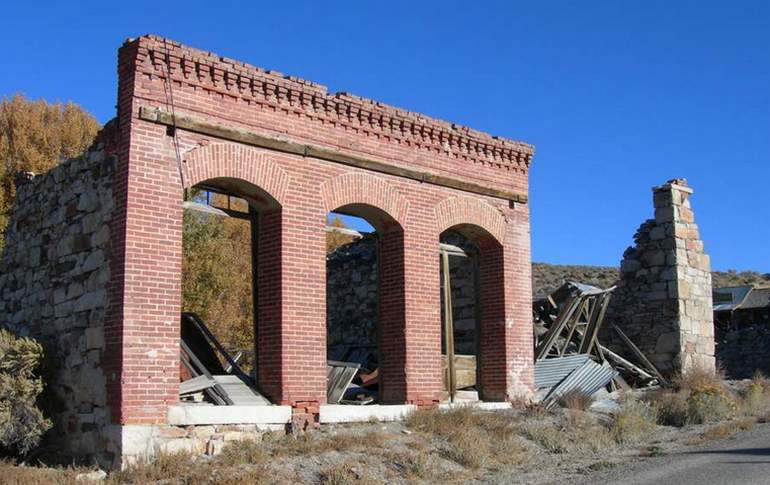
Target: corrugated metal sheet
(549,372)
(730,298)
(586,380)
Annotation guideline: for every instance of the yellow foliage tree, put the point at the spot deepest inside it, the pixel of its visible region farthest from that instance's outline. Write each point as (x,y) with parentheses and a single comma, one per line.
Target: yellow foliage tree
(35,136)
(337,239)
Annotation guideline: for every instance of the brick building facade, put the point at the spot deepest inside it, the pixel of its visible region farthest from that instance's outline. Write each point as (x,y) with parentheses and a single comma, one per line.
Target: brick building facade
(296,152)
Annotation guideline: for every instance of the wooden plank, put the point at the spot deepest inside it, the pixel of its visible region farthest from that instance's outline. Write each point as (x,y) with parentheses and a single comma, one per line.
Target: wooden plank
(188,123)
(239,391)
(339,376)
(195,384)
(595,323)
(449,335)
(639,355)
(555,330)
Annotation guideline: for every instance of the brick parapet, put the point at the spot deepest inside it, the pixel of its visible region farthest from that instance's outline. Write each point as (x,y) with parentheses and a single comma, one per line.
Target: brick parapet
(408,133)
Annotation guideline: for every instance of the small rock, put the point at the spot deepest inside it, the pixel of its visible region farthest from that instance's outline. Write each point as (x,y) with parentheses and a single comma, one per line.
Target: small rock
(94,476)
(406,431)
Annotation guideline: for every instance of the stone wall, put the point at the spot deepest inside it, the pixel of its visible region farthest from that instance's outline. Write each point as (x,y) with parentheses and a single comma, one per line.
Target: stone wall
(742,352)
(663,300)
(53,273)
(351,296)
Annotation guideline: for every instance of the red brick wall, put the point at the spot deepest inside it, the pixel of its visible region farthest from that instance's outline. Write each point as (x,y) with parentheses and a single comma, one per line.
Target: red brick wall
(296,193)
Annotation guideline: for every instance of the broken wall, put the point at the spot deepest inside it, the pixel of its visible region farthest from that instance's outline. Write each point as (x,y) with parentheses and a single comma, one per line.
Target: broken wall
(53,274)
(663,300)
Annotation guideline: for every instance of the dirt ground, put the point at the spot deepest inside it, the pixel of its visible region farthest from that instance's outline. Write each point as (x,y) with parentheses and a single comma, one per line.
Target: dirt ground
(528,445)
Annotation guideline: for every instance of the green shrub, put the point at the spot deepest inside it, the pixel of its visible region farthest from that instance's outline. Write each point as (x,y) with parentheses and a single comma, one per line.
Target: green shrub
(22,423)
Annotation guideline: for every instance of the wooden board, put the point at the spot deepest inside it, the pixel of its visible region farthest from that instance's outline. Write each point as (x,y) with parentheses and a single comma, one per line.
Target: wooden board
(240,392)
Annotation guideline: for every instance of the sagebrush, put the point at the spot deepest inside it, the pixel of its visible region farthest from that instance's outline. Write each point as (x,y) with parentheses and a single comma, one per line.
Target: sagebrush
(22,423)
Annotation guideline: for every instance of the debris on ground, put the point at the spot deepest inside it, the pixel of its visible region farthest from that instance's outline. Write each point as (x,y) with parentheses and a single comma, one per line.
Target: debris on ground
(569,356)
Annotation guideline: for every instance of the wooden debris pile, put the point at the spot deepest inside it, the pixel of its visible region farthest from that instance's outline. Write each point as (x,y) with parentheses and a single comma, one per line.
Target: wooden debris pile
(205,378)
(569,356)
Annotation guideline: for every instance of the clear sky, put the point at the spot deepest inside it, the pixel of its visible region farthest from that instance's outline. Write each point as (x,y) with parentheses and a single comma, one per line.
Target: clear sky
(617,96)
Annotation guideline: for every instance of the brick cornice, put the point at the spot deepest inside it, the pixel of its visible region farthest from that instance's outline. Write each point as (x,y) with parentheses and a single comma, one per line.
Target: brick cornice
(158,56)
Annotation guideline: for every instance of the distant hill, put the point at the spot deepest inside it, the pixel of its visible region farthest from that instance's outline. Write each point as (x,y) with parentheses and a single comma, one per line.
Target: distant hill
(547,277)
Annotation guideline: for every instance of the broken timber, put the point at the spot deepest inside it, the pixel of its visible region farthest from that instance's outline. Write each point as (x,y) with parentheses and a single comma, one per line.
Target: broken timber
(189,123)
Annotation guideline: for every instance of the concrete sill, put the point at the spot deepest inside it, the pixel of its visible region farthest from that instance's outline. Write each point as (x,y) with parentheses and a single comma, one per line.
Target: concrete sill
(349,413)
(486,406)
(182,415)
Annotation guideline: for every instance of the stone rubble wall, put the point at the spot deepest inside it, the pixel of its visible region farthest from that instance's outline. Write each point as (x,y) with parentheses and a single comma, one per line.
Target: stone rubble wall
(351,296)
(53,272)
(663,300)
(140,442)
(743,352)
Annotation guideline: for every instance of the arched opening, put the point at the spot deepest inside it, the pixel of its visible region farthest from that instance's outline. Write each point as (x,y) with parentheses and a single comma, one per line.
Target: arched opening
(231,283)
(472,314)
(365,306)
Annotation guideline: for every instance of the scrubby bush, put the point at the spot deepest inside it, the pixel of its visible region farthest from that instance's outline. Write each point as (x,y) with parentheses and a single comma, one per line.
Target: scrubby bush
(756,398)
(634,422)
(672,407)
(710,406)
(699,396)
(22,424)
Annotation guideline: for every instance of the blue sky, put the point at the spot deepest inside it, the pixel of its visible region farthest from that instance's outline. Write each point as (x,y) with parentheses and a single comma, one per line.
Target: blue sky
(617,96)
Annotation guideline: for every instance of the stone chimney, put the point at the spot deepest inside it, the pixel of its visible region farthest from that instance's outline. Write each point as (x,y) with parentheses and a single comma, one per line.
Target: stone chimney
(663,301)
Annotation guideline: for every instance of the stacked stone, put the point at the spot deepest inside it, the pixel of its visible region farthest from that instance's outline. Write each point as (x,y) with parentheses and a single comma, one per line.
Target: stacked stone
(743,352)
(53,273)
(198,440)
(663,301)
(351,295)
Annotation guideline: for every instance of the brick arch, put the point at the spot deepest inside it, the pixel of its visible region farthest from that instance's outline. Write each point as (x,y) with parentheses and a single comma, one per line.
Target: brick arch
(359,188)
(238,162)
(457,211)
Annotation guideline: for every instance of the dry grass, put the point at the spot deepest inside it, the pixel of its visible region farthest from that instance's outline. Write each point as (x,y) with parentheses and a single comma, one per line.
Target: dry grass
(163,466)
(239,452)
(672,407)
(634,422)
(414,465)
(576,401)
(307,444)
(183,468)
(699,378)
(577,432)
(346,473)
(755,400)
(723,430)
(473,439)
(13,474)
(699,397)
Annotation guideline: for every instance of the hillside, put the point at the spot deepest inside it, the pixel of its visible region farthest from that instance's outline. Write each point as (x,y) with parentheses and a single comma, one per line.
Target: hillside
(547,277)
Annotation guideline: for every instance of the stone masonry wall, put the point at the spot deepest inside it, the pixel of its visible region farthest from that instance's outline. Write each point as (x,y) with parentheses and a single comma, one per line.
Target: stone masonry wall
(53,273)
(663,301)
(742,352)
(351,298)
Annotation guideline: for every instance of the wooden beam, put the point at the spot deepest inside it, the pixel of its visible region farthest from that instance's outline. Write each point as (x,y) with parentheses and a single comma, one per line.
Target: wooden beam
(188,123)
